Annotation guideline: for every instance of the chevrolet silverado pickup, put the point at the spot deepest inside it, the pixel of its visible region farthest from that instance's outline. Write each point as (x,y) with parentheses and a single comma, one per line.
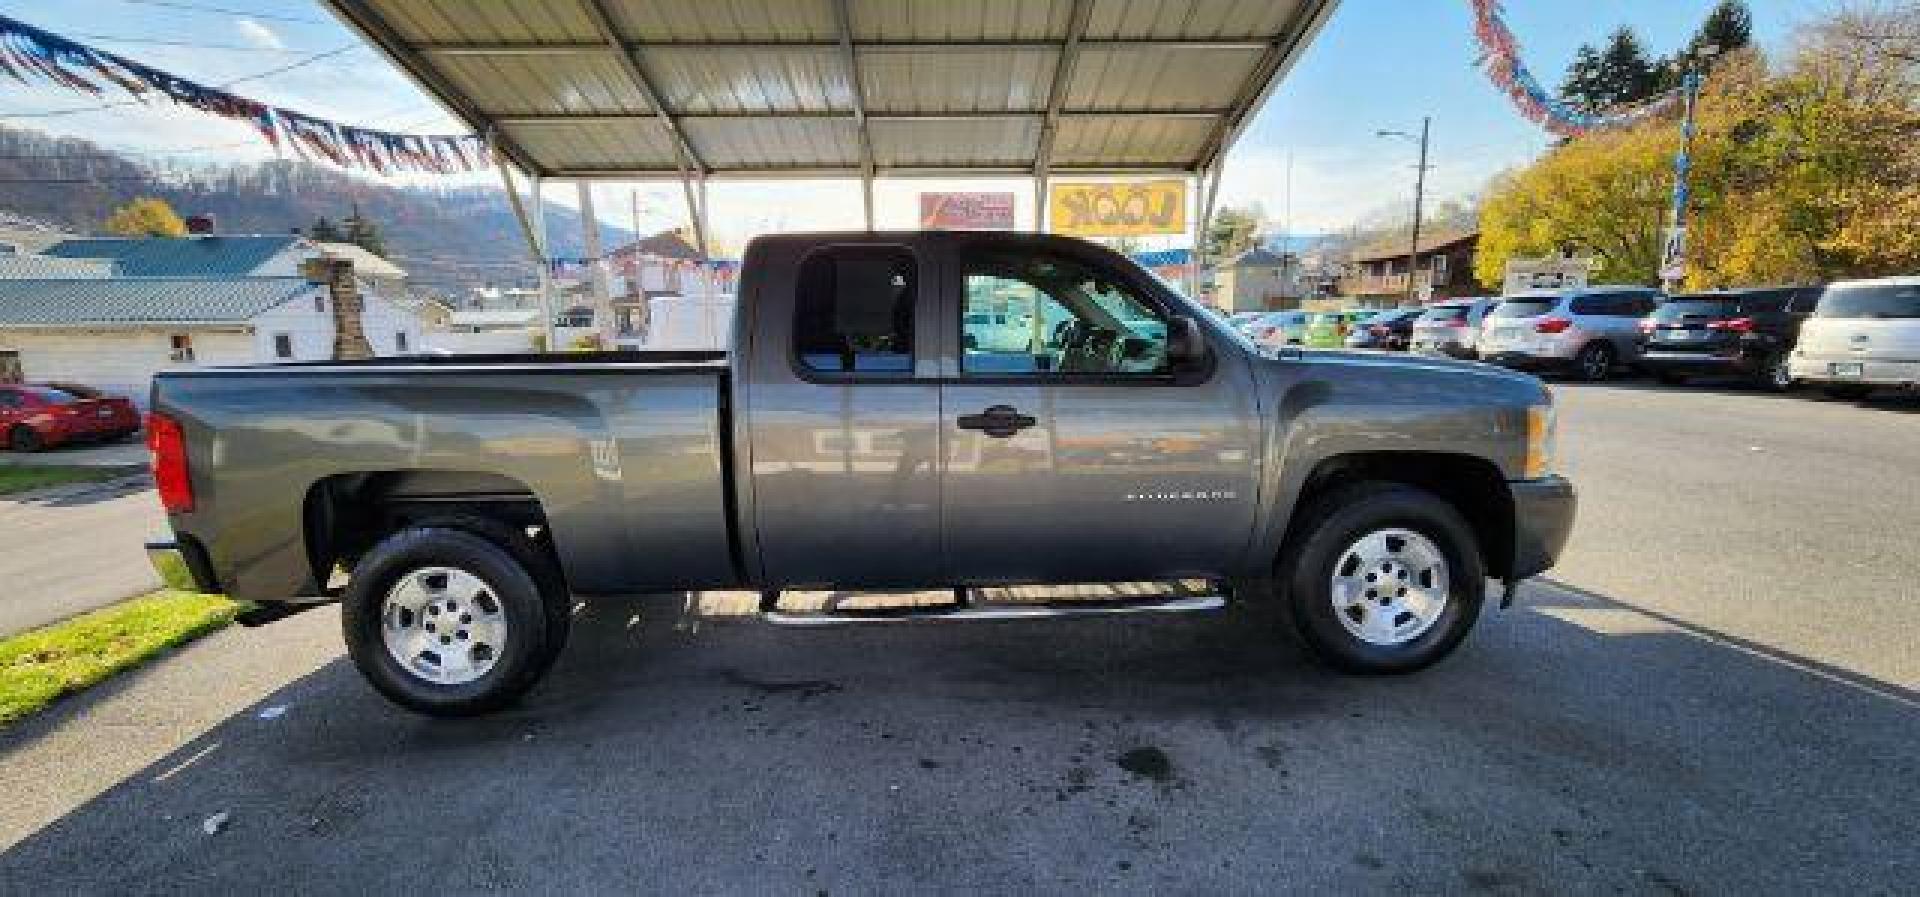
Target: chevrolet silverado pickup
(859,436)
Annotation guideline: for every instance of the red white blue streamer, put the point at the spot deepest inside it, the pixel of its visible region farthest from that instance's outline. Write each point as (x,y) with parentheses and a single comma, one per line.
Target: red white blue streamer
(1500,57)
(28,54)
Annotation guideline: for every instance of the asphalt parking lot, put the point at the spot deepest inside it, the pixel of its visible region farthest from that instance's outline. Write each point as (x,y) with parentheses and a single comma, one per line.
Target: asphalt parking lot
(1721,698)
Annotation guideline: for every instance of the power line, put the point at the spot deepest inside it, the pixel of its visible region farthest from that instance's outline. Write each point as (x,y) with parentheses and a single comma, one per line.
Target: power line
(238,48)
(195,7)
(56,113)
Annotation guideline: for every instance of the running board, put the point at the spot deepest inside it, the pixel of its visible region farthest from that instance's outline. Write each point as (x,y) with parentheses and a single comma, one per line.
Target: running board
(1183,604)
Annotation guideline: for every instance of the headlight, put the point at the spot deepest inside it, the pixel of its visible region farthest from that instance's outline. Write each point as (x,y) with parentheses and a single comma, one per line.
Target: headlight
(1542,429)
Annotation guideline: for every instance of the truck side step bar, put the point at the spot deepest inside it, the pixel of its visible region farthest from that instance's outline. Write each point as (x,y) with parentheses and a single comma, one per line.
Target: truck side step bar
(1173,604)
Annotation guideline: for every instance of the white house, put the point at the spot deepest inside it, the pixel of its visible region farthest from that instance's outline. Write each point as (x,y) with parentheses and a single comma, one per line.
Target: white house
(116,333)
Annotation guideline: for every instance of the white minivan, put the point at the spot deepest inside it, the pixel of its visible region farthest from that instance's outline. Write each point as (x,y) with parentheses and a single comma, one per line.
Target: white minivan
(1863,334)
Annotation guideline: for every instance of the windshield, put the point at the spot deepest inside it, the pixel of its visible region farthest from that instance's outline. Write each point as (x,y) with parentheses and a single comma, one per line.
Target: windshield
(1682,307)
(1877,301)
(1523,308)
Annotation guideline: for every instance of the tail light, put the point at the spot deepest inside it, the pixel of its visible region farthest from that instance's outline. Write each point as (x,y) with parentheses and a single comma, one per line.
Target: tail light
(1378,330)
(1647,325)
(1737,325)
(1552,325)
(169,447)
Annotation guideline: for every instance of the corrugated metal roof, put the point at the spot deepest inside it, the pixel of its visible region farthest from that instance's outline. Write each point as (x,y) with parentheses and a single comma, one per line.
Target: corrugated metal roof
(752,87)
(136,300)
(14,267)
(214,256)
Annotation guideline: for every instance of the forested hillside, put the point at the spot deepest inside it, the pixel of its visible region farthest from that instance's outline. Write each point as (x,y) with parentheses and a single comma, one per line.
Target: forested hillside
(446,238)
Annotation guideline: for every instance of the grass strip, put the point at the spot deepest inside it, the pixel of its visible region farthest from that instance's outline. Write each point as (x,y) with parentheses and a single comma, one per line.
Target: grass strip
(22,479)
(40,665)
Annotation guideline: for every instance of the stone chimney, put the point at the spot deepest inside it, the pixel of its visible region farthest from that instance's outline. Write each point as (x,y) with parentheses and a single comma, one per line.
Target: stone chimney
(202,225)
(343,294)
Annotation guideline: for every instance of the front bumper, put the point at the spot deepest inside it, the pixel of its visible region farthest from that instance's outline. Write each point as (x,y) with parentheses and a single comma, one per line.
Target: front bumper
(1825,369)
(1542,520)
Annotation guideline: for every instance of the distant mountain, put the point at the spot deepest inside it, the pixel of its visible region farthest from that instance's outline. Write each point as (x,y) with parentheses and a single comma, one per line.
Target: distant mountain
(446,238)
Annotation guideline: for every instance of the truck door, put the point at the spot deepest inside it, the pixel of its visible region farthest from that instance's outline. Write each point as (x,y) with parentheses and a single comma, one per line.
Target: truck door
(1075,455)
(842,405)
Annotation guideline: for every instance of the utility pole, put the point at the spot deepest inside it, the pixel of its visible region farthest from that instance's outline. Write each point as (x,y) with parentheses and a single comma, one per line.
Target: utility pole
(1673,251)
(1419,199)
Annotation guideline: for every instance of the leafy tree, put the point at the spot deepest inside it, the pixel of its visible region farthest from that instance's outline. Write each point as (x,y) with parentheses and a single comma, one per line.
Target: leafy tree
(1231,232)
(362,232)
(146,217)
(1619,74)
(324,231)
(1727,27)
(1582,87)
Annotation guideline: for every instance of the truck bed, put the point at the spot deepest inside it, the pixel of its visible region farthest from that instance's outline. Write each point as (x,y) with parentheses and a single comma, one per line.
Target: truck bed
(624,453)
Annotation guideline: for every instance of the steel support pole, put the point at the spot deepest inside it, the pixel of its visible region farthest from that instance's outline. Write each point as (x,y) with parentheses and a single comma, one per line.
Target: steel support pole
(597,272)
(539,215)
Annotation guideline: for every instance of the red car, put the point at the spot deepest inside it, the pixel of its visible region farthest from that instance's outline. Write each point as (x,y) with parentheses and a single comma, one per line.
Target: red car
(38,416)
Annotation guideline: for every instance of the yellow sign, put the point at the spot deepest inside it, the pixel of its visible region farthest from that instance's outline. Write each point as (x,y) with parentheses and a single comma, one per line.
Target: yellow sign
(1118,209)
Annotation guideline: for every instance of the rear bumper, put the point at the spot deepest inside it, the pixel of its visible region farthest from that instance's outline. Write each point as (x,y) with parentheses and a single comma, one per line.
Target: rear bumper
(1704,362)
(181,565)
(1821,369)
(1542,520)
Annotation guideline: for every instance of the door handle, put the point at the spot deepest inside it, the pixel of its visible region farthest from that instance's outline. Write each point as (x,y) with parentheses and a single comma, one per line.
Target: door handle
(999,421)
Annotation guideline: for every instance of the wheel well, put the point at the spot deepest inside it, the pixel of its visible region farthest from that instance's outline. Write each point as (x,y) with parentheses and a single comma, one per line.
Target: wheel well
(1473,486)
(347,514)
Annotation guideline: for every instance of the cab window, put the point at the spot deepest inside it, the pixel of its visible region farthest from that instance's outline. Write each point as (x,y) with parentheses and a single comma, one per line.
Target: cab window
(1049,315)
(853,311)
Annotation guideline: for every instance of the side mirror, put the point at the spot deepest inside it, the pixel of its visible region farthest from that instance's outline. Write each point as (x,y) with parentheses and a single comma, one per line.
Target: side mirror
(1186,347)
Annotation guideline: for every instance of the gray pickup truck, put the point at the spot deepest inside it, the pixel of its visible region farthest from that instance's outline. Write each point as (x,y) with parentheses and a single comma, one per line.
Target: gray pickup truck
(899,410)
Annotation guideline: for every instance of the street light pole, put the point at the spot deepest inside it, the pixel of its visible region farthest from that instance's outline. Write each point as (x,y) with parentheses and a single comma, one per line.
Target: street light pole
(1419,196)
(1673,251)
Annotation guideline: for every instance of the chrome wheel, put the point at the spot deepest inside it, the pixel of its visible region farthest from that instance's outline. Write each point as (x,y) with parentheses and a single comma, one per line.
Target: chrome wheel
(1595,362)
(1390,586)
(443,625)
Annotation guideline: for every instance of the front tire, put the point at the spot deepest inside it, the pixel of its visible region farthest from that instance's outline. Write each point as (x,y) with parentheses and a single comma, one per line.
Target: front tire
(1384,579)
(448,623)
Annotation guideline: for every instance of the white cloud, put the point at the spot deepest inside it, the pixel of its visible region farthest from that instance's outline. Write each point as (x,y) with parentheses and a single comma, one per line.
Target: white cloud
(259,35)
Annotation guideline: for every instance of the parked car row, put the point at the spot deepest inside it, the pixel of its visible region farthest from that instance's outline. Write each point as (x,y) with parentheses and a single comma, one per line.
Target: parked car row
(1848,337)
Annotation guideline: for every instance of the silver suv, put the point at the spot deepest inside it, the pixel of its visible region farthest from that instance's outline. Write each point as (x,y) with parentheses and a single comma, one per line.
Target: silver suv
(1586,331)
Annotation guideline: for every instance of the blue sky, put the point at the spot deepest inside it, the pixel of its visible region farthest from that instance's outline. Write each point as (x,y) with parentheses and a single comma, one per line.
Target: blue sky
(1378,64)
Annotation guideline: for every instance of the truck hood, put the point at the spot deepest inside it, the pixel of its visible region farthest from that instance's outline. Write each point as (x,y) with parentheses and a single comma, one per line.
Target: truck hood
(1395,365)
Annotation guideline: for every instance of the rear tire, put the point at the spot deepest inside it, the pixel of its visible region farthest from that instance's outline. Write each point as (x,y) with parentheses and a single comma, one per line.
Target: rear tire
(1594,363)
(1351,607)
(423,604)
(23,438)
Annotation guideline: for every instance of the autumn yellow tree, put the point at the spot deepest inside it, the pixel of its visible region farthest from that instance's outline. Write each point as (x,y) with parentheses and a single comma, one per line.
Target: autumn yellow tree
(146,217)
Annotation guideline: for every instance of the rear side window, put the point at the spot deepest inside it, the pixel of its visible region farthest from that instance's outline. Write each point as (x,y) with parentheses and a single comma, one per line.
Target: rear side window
(853,311)
(1870,301)
(1523,308)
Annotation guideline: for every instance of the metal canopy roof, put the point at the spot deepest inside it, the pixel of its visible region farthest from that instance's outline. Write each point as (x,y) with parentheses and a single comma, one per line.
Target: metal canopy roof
(792,88)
